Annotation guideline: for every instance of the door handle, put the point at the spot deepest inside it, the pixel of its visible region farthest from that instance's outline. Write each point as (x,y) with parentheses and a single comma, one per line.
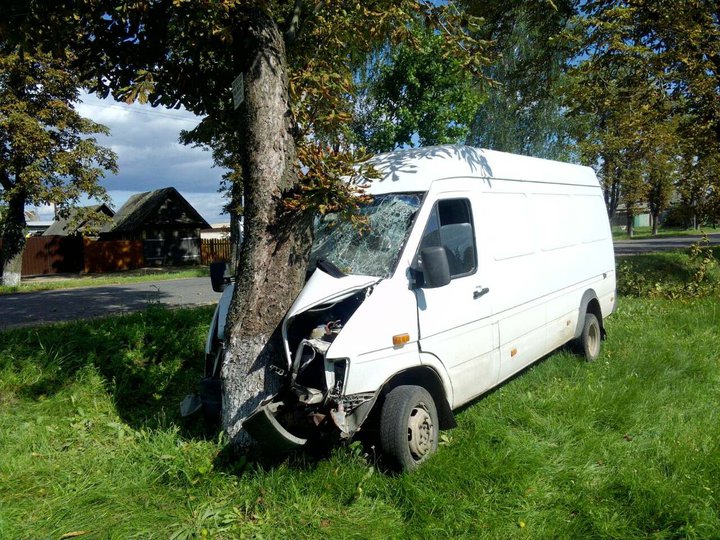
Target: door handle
(480,291)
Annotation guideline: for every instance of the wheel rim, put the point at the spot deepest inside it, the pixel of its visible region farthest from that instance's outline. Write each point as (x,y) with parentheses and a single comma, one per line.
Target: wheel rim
(421,432)
(593,340)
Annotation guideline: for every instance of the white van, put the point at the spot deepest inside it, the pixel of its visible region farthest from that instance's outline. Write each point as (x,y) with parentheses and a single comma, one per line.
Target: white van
(474,264)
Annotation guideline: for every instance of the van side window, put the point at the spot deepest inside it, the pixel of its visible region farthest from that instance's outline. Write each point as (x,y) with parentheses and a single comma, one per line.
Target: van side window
(450,226)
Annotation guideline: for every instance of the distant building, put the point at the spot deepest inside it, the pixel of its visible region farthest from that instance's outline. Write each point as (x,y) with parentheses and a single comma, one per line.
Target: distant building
(217,231)
(165,221)
(82,220)
(36,227)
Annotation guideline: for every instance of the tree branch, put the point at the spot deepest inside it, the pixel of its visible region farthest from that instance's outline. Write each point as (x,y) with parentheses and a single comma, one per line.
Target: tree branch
(292,31)
(5,180)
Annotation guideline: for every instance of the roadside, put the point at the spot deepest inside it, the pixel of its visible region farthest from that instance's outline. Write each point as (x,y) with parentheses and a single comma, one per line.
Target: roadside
(66,281)
(646,232)
(43,307)
(637,246)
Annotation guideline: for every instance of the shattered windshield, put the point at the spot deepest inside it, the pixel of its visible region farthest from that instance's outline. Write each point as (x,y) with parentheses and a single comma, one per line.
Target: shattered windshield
(371,249)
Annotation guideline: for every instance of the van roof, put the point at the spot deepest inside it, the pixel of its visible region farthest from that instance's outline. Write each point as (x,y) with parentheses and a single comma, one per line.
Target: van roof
(414,169)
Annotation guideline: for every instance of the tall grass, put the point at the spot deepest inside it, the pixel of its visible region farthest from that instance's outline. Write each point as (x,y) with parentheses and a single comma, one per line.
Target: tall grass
(627,446)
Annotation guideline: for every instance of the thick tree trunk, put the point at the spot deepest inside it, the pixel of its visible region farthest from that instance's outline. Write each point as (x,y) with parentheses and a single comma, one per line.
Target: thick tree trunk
(13,241)
(274,252)
(655,216)
(630,223)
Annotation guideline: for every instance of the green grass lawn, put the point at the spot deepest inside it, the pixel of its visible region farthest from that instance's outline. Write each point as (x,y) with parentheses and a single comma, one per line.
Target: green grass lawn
(625,447)
(46,283)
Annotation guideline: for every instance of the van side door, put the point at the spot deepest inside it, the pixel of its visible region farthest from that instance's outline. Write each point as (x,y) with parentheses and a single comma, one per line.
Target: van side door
(455,319)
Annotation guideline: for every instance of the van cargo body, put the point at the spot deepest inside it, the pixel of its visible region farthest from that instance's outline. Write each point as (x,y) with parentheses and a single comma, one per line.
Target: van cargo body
(473,264)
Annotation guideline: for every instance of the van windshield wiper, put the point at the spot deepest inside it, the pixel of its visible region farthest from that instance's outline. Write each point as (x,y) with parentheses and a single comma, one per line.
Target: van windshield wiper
(329,268)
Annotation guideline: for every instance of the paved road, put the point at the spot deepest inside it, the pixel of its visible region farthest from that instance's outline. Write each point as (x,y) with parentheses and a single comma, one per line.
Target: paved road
(648,245)
(26,309)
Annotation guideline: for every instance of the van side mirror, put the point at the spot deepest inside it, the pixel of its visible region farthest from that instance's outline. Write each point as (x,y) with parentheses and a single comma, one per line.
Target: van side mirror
(435,267)
(217,276)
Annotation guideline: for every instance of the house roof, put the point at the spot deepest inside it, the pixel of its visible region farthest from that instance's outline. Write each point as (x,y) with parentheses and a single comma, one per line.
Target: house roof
(156,208)
(76,220)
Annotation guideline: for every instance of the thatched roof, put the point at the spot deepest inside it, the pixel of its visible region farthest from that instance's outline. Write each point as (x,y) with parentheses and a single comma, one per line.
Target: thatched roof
(160,208)
(77,220)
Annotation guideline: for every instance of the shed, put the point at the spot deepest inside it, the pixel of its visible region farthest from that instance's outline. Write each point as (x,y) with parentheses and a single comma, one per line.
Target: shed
(165,221)
(80,221)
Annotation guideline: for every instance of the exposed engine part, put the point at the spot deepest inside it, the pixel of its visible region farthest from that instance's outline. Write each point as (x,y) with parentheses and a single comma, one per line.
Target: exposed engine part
(308,368)
(308,396)
(324,322)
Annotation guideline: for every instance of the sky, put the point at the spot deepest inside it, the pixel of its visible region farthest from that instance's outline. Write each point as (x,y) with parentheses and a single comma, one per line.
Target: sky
(150,156)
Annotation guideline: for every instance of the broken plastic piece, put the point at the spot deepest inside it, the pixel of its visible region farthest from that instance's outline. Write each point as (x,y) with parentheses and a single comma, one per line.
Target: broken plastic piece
(190,405)
(267,431)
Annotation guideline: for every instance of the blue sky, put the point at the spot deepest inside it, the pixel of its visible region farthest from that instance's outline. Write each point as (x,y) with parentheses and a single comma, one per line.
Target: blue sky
(150,157)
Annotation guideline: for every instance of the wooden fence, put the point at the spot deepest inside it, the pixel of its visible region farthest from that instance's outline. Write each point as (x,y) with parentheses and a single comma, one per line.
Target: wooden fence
(71,254)
(101,256)
(215,250)
(51,255)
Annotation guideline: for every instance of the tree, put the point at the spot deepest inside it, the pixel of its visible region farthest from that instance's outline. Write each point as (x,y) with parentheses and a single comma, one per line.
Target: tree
(647,85)
(523,112)
(298,61)
(46,152)
(416,93)
(626,115)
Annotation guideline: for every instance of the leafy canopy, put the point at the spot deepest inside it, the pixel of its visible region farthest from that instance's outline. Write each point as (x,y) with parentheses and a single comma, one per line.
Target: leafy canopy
(47,152)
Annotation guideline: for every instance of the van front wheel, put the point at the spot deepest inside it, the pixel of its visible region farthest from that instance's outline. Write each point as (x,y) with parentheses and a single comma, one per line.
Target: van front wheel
(589,342)
(409,426)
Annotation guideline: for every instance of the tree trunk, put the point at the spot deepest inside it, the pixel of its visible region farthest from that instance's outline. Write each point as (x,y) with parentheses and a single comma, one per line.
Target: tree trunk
(655,217)
(13,240)
(275,249)
(236,234)
(630,223)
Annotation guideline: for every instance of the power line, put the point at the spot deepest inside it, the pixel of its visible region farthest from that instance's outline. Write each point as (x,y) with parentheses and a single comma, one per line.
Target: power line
(140,111)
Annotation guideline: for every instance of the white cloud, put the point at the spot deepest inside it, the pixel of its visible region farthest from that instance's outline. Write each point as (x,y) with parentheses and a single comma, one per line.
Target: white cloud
(150,156)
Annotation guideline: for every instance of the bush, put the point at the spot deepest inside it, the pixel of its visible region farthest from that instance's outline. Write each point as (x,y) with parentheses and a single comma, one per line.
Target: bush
(673,275)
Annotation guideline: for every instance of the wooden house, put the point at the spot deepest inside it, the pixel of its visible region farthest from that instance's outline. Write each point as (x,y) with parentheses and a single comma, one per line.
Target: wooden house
(167,224)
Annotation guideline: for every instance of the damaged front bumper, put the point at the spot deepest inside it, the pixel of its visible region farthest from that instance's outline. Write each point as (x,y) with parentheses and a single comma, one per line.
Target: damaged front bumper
(263,426)
(272,424)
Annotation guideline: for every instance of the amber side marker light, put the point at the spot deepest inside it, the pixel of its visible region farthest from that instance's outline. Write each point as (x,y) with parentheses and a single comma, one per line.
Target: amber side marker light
(401,339)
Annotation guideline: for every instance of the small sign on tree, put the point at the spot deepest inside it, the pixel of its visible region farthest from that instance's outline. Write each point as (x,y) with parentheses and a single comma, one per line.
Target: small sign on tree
(238,90)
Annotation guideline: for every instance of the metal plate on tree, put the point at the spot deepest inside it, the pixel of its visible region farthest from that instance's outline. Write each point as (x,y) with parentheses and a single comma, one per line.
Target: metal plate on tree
(238,90)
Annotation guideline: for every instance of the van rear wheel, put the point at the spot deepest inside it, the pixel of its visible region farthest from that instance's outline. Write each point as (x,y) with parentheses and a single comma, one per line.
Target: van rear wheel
(409,426)
(591,337)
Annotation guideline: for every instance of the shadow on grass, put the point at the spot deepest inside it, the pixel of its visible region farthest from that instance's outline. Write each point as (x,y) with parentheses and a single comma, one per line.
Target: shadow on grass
(149,360)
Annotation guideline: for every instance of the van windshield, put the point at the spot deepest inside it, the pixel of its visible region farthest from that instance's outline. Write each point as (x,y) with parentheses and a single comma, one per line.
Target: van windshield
(372,249)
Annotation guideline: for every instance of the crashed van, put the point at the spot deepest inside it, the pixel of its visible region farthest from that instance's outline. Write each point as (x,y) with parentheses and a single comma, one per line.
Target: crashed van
(473,265)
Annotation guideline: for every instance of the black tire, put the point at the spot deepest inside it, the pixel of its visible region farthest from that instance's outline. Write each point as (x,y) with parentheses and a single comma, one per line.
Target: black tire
(409,426)
(590,338)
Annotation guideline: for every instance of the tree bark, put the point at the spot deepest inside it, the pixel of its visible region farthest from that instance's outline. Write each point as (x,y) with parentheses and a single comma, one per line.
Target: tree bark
(13,240)
(655,216)
(274,253)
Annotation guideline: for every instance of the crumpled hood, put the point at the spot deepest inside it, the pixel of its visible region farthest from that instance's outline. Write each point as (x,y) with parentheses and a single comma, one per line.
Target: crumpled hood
(322,288)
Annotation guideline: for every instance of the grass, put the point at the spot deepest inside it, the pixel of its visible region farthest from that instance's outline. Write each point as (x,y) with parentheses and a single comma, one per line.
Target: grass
(625,447)
(646,232)
(46,283)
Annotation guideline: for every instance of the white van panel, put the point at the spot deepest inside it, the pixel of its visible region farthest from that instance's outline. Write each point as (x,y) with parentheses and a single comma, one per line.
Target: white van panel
(367,337)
